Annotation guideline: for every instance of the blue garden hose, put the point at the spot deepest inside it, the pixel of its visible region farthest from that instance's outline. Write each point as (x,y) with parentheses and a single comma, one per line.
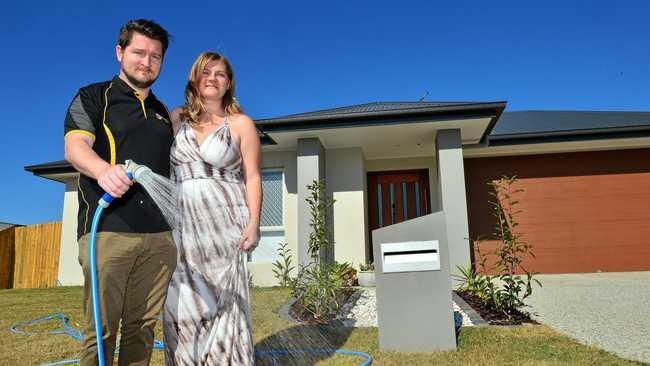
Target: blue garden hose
(67,329)
(273,353)
(285,352)
(104,202)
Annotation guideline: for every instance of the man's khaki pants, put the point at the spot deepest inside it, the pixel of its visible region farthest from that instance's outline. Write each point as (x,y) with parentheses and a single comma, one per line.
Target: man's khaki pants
(133,271)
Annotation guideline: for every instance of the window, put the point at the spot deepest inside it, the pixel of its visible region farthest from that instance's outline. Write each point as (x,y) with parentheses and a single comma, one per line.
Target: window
(271,218)
(272,182)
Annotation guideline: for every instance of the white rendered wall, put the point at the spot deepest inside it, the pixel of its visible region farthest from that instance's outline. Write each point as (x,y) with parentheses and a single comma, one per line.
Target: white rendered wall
(346,184)
(286,162)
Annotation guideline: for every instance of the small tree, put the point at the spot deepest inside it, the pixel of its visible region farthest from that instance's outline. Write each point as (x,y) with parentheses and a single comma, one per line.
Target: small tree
(319,287)
(511,250)
(509,296)
(319,205)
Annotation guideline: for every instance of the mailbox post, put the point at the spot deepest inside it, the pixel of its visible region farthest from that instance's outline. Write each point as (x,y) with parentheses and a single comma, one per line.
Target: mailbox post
(414,305)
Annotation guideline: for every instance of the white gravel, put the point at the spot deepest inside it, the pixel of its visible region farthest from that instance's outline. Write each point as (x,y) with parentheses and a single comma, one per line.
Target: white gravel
(361,309)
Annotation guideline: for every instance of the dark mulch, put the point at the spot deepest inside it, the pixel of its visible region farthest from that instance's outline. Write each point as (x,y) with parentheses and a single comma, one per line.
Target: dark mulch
(298,312)
(491,315)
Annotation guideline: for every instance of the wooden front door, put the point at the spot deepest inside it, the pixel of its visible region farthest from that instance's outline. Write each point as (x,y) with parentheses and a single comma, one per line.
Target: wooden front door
(397,196)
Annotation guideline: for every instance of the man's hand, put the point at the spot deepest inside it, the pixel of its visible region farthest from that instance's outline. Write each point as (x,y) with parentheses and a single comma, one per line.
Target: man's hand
(114,181)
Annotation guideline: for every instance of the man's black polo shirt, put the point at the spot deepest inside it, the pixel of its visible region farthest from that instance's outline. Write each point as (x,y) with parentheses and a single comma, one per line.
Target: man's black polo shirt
(124,126)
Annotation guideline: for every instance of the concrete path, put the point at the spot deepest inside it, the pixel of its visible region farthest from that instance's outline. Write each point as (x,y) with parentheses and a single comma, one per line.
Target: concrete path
(607,310)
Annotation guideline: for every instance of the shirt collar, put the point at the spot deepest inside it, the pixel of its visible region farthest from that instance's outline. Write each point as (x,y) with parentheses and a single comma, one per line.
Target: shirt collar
(125,88)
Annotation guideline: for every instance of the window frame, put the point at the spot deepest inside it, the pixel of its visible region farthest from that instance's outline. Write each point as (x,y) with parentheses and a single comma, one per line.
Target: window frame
(283,200)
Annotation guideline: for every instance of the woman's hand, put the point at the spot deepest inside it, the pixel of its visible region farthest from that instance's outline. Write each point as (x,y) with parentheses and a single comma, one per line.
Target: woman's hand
(250,238)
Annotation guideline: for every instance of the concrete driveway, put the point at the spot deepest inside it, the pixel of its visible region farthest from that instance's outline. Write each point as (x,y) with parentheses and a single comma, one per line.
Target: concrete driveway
(607,310)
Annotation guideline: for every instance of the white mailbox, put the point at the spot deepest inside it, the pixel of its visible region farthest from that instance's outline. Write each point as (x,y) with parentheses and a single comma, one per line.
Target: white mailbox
(410,256)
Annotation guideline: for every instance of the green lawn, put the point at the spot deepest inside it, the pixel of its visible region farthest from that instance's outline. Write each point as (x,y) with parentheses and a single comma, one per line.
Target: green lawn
(530,345)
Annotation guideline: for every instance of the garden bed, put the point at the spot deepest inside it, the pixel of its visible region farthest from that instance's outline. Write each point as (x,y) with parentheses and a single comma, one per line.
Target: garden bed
(300,313)
(492,316)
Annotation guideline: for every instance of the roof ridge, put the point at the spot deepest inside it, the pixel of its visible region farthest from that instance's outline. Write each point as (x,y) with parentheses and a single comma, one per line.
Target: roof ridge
(350,108)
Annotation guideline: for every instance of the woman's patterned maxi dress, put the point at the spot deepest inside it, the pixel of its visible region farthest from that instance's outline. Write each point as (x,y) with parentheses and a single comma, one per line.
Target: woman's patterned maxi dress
(207,314)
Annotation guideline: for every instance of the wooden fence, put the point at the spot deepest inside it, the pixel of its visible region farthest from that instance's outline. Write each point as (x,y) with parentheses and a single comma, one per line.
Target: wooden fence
(7,255)
(35,256)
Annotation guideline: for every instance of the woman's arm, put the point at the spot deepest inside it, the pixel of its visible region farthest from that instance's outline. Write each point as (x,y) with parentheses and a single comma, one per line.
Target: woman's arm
(249,145)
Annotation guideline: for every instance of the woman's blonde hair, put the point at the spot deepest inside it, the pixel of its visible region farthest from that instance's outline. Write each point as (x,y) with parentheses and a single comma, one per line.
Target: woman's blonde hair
(194,106)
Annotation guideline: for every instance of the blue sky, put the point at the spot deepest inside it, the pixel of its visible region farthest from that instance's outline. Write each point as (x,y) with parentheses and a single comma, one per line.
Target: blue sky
(292,57)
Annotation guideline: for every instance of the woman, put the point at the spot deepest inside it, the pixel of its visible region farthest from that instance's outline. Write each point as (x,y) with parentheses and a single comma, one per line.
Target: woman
(215,159)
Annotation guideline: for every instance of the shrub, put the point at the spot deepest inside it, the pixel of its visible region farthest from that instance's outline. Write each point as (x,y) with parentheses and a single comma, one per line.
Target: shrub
(320,286)
(507,297)
(283,267)
(366,267)
(346,273)
(319,291)
(472,282)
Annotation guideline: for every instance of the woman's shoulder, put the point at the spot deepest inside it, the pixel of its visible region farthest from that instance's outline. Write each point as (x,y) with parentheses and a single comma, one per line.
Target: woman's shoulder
(242,125)
(239,118)
(240,121)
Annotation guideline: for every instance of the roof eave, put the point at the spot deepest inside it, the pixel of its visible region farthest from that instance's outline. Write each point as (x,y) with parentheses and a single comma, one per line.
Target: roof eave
(568,136)
(477,110)
(43,169)
(437,110)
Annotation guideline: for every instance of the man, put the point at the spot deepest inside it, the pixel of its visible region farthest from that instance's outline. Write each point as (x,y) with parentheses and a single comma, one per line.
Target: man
(106,124)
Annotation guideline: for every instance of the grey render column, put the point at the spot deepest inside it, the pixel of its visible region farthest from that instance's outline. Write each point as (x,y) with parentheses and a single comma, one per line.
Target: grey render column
(310,167)
(453,201)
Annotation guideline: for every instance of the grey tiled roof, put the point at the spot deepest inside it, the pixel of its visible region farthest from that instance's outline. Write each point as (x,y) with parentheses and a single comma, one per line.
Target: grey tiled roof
(550,122)
(377,107)
(512,127)
(363,113)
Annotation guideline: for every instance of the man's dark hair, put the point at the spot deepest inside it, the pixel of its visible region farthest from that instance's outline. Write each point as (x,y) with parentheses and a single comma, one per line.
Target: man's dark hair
(147,28)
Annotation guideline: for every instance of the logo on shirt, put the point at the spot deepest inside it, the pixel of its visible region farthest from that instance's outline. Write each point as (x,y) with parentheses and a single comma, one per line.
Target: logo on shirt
(162,118)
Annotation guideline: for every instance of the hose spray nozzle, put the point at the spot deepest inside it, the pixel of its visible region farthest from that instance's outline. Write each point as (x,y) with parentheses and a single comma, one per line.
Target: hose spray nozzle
(133,171)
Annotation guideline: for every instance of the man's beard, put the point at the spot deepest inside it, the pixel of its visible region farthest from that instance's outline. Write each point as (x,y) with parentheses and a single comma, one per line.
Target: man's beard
(138,83)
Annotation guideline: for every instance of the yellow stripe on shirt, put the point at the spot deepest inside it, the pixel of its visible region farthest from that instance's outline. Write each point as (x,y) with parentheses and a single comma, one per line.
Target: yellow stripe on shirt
(83,132)
(109,134)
